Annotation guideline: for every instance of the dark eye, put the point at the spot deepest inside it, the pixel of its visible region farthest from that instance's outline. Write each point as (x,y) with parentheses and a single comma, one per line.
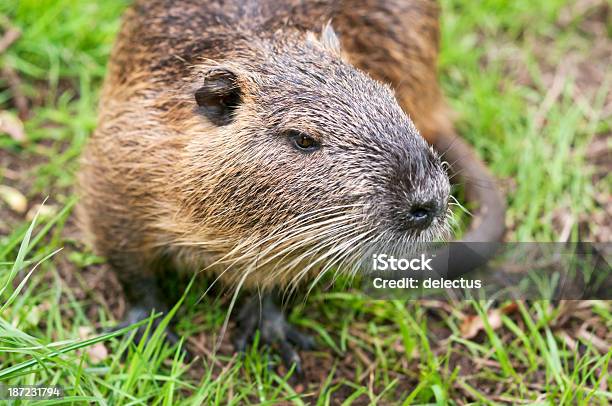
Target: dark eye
(303,142)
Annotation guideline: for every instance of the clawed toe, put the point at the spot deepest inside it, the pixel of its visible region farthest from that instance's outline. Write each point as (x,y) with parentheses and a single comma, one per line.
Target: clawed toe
(275,331)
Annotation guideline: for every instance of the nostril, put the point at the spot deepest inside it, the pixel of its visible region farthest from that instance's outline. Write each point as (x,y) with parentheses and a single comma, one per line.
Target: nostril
(419,213)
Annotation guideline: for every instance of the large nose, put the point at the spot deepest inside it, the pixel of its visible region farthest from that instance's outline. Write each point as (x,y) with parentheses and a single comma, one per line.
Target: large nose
(420,215)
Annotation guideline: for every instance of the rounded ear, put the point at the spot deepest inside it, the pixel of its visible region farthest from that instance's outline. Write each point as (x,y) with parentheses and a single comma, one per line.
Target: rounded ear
(219,96)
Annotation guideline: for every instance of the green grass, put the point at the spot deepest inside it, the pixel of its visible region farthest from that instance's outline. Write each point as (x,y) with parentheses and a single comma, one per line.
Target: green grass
(497,65)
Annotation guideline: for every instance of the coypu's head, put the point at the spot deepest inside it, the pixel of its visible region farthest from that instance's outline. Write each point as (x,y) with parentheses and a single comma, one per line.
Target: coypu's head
(303,159)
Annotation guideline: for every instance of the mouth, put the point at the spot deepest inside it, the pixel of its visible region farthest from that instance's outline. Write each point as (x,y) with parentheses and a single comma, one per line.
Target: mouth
(338,239)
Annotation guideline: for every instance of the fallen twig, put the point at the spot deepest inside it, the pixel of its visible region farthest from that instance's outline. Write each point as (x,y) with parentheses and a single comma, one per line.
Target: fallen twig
(11,34)
(14,83)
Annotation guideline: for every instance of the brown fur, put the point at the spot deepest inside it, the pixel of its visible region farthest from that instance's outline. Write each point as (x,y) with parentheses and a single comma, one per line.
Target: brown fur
(395,41)
(160,181)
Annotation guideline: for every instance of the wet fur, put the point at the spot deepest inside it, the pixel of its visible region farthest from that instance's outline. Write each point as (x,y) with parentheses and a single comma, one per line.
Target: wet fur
(159,181)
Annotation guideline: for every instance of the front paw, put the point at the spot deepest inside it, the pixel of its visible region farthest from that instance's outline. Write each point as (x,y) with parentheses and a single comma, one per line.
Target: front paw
(275,331)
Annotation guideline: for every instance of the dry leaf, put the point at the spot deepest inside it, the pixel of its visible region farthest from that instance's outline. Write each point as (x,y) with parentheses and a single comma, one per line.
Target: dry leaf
(33,316)
(12,125)
(569,341)
(97,353)
(14,198)
(84,332)
(472,325)
(597,342)
(44,211)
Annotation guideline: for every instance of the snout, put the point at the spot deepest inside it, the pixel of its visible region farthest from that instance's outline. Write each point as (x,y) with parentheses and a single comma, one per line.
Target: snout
(419,191)
(415,191)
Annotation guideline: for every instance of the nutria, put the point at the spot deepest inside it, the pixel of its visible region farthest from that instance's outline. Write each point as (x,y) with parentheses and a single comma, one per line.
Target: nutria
(268,141)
